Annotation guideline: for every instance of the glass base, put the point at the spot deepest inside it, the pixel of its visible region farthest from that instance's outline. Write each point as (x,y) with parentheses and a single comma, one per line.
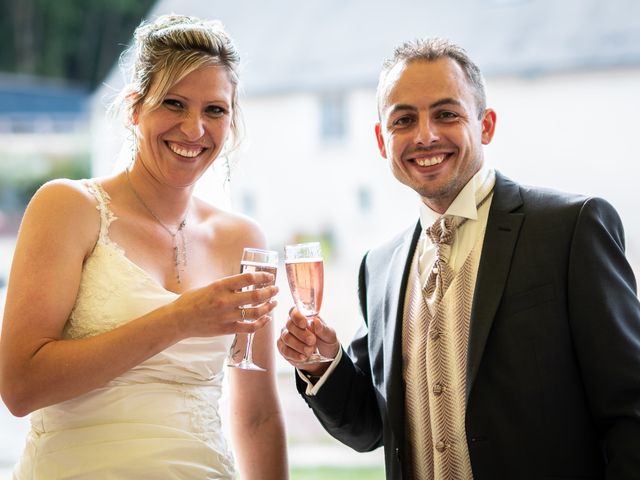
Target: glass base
(246,365)
(316,358)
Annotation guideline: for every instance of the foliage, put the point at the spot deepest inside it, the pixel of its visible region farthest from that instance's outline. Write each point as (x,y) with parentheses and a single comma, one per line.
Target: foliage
(326,239)
(17,185)
(337,473)
(78,40)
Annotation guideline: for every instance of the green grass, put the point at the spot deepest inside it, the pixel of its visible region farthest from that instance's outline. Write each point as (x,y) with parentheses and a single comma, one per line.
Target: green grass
(337,473)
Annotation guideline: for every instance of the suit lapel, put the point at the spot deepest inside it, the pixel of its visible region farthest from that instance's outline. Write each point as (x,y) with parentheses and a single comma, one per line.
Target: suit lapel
(503,227)
(398,274)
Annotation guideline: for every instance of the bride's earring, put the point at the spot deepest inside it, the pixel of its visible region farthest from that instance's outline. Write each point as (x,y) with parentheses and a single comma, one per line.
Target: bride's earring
(227,175)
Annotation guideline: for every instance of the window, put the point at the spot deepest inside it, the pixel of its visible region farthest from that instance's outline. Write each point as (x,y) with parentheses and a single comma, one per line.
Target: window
(333,121)
(365,203)
(248,203)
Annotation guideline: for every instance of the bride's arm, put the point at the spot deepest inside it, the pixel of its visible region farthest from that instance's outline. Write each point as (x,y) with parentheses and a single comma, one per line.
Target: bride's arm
(256,415)
(38,367)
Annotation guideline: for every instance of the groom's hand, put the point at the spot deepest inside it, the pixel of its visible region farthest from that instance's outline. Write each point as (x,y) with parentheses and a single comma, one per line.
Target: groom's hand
(297,342)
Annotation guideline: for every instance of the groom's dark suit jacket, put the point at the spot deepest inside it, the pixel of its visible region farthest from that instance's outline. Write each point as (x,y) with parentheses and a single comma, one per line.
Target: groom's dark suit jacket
(553,375)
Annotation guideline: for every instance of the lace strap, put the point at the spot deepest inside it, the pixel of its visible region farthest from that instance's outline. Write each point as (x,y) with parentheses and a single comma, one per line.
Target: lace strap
(106,215)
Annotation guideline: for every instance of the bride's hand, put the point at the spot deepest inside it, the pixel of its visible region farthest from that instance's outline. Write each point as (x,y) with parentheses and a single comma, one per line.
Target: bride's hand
(221,307)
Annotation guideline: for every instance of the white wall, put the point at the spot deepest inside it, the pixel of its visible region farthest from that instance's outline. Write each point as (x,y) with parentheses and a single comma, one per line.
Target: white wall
(305,185)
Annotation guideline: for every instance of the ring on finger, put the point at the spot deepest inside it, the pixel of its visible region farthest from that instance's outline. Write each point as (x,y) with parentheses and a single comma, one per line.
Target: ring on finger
(243,314)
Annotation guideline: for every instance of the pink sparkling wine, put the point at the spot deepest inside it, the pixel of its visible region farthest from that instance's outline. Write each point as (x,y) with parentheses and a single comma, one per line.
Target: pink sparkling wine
(306,281)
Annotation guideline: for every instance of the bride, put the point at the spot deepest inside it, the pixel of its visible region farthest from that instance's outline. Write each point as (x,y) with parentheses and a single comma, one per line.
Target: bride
(124,296)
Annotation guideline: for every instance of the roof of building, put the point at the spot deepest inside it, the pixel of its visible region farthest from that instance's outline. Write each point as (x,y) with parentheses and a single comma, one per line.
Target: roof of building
(25,94)
(288,44)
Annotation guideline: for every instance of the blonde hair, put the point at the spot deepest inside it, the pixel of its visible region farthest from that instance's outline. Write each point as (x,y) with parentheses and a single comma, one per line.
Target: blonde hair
(168,49)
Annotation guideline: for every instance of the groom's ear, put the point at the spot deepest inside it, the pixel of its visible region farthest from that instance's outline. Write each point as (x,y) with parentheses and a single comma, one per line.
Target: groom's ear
(380,139)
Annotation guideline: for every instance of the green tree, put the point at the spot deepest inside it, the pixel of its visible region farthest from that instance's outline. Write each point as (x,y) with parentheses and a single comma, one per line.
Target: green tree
(78,40)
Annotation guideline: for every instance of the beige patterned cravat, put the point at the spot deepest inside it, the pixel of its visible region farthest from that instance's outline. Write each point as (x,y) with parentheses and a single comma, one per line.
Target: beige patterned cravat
(441,233)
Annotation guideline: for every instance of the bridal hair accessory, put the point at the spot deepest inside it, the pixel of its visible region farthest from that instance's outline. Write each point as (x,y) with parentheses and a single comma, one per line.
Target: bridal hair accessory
(178,237)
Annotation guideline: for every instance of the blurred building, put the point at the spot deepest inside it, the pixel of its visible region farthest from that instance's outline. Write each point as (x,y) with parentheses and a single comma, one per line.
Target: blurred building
(563,76)
(36,106)
(41,122)
(41,117)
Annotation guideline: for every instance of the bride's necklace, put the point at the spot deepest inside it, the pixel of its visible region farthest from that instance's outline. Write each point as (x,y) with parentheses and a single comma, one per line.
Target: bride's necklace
(178,237)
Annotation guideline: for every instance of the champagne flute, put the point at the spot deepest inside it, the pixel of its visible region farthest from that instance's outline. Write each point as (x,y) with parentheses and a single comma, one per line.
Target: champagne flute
(305,273)
(253,260)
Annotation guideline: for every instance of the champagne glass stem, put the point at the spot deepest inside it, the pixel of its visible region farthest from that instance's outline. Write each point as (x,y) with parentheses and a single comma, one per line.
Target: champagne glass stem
(248,354)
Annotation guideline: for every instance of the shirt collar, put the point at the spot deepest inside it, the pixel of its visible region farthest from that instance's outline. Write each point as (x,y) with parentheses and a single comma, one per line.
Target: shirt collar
(464,205)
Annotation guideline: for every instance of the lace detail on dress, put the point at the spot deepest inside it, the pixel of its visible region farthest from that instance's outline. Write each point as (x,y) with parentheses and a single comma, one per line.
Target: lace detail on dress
(106,215)
(206,423)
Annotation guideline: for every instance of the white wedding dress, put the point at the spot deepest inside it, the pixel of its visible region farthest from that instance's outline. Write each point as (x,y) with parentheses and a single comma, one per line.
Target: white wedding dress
(160,419)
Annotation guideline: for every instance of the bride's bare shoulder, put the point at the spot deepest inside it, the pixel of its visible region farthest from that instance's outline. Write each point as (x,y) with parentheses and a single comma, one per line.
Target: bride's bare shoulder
(64,195)
(66,204)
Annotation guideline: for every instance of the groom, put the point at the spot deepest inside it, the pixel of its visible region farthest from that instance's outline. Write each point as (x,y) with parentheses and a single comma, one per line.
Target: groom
(501,335)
